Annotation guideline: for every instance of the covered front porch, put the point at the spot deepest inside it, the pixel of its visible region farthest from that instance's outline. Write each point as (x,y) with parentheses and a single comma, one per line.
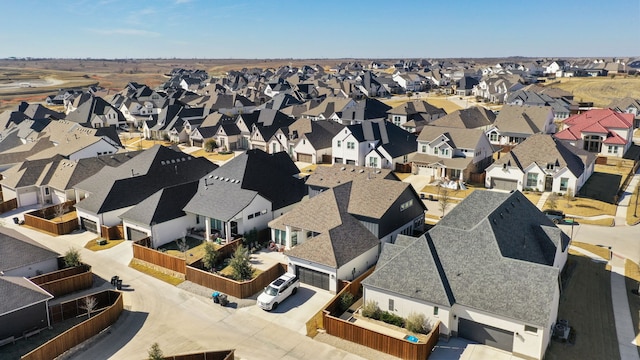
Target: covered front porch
(226,231)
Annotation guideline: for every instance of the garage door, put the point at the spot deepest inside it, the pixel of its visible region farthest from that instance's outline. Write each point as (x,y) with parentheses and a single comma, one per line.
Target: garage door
(305,158)
(135,235)
(197,143)
(89,225)
(485,334)
(504,184)
(313,277)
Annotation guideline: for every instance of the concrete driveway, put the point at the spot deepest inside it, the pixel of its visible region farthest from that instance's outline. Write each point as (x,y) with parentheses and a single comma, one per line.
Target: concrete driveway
(296,310)
(181,321)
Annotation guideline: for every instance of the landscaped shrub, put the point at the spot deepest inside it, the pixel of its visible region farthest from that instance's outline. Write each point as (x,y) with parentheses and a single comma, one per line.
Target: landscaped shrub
(346,300)
(417,323)
(392,319)
(72,257)
(371,310)
(241,265)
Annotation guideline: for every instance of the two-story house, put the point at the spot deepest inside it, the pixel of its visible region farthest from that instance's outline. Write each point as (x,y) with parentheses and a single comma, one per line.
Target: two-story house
(414,115)
(451,154)
(515,123)
(605,132)
(373,143)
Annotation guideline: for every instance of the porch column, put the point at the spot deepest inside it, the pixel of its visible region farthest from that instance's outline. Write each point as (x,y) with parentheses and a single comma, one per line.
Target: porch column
(287,242)
(227,231)
(207,226)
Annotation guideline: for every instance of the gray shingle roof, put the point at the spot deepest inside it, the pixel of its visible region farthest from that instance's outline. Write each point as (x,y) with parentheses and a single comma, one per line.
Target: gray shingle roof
(473,117)
(17,293)
(459,138)
(166,204)
(342,237)
(139,178)
(17,253)
(336,174)
(524,120)
(251,173)
(496,253)
(544,149)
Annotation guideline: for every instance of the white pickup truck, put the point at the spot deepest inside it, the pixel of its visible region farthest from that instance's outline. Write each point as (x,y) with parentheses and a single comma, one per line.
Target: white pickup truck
(280,289)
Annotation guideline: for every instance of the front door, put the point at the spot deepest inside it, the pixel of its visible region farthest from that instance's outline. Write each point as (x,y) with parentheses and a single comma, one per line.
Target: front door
(548,183)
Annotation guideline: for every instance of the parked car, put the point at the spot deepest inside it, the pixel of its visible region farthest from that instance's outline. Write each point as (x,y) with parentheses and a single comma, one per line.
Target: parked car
(280,289)
(555,215)
(124,127)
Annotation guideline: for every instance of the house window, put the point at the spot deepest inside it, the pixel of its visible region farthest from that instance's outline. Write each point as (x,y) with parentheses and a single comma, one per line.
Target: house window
(532,180)
(612,149)
(564,184)
(493,137)
(351,145)
(550,166)
(436,150)
(424,149)
(391,307)
(216,224)
(531,329)
(444,152)
(455,174)
(405,159)
(294,238)
(435,310)
(339,143)
(46,191)
(373,162)
(396,120)
(405,205)
(197,219)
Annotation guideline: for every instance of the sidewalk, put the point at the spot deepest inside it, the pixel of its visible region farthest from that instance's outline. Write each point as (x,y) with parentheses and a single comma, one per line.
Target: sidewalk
(621,311)
(623,203)
(543,199)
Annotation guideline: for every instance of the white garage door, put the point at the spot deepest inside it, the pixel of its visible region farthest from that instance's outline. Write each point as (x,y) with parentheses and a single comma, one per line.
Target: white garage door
(29,198)
(504,184)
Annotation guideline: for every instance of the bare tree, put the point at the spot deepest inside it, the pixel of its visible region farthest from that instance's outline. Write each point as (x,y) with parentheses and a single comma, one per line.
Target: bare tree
(183,246)
(569,196)
(59,210)
(89,305)
(552,202)
(444,199)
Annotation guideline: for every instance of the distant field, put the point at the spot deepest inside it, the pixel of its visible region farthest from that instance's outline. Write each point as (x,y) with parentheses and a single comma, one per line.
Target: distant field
(440,102)
(600,90)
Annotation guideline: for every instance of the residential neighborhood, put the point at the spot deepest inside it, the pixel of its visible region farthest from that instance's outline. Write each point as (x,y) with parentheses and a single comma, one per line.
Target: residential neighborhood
(429,208)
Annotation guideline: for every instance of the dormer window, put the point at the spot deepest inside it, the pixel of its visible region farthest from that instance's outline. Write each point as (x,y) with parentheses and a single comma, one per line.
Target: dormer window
(550,166)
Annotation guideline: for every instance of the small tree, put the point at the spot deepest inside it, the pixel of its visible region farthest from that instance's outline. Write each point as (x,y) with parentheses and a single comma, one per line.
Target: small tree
(182,245)
(569,196)
(250,237)
(210,145)
(210,256)
(241,265)
(72,257)
(155,353)
(444,199)
(89,304)
(346,300)
(552,201)
(59,210)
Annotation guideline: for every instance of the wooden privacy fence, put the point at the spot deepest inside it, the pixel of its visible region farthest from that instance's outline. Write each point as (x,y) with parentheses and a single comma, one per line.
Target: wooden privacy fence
(225,251)
(353,287)
(477,178)
(8,205)
(57,228)
(65,281)
(73,308)
(239,289)
(41,218)
(158,258)
(209,355)
(112,233)
(401,348)
(81,332)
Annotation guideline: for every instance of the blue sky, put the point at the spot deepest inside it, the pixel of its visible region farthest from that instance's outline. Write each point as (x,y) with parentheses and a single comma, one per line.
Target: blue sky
(318,29)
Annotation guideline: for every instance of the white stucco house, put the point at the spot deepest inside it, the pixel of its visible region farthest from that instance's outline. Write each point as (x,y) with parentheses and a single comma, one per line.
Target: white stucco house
(604,132)
(470,274)
(541,163)
(515,123)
